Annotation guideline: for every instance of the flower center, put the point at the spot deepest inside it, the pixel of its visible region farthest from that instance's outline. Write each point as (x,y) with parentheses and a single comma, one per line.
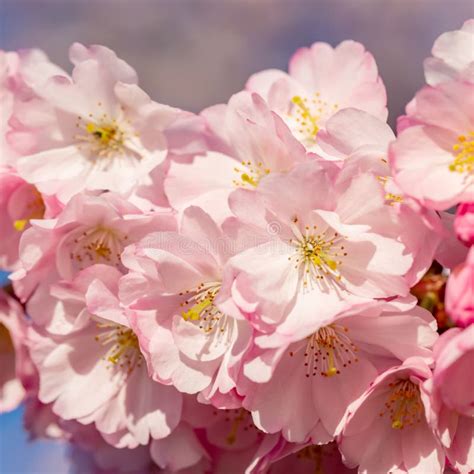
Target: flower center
(250,174)
(6,343)
(124,351)
(464,154)
(329,350)
(239,420)
(199,307)
(34,209)
(104,136)
(318,254)
(306,113)
(404,404)
(97,245)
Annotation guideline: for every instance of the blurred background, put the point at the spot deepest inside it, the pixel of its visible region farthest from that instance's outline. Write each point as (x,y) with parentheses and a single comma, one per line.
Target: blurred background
(196,53)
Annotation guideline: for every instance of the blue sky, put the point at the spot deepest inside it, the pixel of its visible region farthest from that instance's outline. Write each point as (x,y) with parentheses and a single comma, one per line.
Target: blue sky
(18,455)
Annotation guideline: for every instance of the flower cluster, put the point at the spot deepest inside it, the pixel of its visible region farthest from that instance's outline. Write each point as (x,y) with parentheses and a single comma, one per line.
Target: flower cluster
(246,290)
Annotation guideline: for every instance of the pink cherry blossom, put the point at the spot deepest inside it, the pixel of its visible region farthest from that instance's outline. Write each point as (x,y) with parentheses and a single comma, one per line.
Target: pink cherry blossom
(343,357)
(102,351)
(247,142)
(25,122)
(386,429)
(110,133)
(320,248)
(460,292)
(432,160)
(321,81)
(452,398)
(232,443)
(454,358)
(12,352)
(464,223)
(20,202)
(189,341)
(360,141)
(453,56)
(91,229)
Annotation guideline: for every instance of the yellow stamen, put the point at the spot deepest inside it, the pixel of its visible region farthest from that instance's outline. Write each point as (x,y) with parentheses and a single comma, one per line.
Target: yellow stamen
(247,179)
(328,351)
(20,224)
(464,154)
(105,133)
(194,313)
(332,370)
(306,114)
(404,405)
(124,349)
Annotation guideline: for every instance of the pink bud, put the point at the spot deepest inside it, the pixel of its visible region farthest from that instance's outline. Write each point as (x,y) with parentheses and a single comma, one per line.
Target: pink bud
(464,223)
(460,292)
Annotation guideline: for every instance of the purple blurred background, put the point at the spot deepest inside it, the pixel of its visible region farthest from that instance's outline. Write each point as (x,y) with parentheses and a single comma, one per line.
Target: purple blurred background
(195,53)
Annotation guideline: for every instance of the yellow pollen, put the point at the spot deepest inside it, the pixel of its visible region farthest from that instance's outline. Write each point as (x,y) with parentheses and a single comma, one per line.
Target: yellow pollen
(247,179)
(20,224)
(199,308)
(328,351)
(124,352)
(104,136)
(464,154)
(308,120)
(392,199)
(97,245)
(34,209)
(318,254)
(305,116)
(250,174)
(195,312)
(404,405)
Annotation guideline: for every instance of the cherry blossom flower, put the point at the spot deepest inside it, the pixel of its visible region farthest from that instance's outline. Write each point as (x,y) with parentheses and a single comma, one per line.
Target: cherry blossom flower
(247,142)
(360,141)
(91,229)
(453,56)
(321,81)
(433,160)
(342,357)
(20,202)
(452,398)
(190,342)
(110,133)
(319,248)
(25,121)
(102,351)
(386,429)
